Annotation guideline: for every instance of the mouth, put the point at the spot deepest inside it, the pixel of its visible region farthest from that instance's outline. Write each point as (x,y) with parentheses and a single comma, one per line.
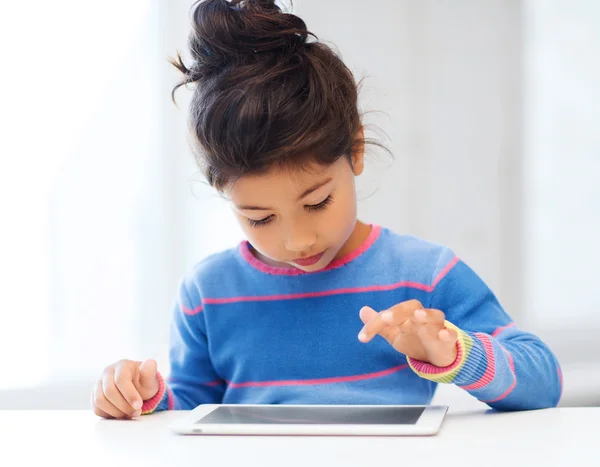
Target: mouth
(309,260)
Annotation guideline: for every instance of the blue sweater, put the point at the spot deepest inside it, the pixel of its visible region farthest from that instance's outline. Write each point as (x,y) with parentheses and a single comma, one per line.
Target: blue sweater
(245,332)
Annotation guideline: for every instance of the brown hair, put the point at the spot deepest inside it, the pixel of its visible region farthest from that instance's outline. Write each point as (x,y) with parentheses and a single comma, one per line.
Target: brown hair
(265,95)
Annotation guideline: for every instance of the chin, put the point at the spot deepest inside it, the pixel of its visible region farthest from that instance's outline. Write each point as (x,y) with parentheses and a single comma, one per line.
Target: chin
(310,269)
(313,268)
(322,264)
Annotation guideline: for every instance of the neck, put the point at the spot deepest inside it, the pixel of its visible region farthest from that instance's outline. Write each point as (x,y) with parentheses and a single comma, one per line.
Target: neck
(357,237)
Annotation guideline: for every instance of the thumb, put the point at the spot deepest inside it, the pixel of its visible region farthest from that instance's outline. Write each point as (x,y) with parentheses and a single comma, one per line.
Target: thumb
(148,382)
(367,314)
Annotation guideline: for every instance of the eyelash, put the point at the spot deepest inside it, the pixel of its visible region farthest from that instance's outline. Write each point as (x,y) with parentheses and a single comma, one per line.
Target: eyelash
(260,222)
(311,207)
(322,205)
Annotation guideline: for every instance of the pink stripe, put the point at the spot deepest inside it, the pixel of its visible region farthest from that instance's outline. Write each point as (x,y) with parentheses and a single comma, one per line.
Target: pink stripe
(445,271)
(211,383)
(323,293)
(560,376)
(309,382)
(511,364)
(258,264)
(508,391)
(560,380)
(500,329)
(191,312)
(150,405)
(490,371)
(371,238)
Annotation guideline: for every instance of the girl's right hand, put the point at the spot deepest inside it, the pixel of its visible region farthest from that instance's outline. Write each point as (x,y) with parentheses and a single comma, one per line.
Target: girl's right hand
(123,388)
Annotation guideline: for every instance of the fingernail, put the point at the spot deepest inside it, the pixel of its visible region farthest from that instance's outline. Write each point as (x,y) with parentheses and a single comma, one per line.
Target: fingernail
(420,314)
(387,316)
(362,336)
(137,405)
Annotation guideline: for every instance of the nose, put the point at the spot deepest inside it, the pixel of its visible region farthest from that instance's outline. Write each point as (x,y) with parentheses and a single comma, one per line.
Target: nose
(300,240)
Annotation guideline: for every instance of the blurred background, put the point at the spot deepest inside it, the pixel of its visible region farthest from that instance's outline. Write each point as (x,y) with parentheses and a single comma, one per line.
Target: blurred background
(490,107)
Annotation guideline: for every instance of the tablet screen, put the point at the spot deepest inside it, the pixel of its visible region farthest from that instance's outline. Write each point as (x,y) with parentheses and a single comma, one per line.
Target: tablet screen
(314,415)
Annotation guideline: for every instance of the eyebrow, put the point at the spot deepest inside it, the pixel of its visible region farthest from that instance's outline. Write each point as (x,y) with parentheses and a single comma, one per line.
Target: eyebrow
(303,195)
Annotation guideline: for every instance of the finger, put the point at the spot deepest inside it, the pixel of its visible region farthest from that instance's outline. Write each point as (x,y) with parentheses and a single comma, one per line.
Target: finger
(408,327)
(103,405)
(383,323)
(371,329)
(113,395)
(429,323)
(389,333)
(429,315)
(148,372)
(369,317)
(102,413)
(123,378)
(367,314)
(428,333)
(448,336)
(97,411)
(439,344)
(147,381)
(398,314)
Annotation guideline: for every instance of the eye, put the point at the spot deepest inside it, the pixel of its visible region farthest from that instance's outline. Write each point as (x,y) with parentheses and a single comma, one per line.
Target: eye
(259,222)
(322,205)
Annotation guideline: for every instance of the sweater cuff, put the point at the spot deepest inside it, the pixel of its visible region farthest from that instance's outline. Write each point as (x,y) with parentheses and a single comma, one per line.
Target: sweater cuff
(448,374)
(150,405)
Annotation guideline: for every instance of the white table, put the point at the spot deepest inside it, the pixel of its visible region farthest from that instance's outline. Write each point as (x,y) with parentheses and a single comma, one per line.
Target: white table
(555,437)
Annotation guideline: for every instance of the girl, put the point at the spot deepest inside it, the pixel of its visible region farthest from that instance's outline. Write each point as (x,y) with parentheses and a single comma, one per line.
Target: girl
(278,319)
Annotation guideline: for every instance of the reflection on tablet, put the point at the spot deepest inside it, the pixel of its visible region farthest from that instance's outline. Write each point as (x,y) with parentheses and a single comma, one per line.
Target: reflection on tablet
(314,415)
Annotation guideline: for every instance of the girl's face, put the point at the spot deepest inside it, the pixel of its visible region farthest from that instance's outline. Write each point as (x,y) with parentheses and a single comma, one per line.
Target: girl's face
(301,218)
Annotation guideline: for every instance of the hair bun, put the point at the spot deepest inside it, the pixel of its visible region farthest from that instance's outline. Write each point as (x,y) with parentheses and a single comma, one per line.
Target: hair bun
(233,32)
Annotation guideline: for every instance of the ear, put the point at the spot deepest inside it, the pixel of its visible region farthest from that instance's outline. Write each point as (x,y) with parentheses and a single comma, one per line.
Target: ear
(358,153)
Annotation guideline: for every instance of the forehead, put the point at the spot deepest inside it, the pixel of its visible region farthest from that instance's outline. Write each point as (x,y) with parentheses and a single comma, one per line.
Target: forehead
(283,182)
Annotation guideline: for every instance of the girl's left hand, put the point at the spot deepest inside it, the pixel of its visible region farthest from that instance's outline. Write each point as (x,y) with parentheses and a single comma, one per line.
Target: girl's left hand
(412,330)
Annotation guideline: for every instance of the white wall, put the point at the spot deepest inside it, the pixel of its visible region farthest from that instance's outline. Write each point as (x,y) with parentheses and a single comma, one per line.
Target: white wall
(448,77)
(562,164)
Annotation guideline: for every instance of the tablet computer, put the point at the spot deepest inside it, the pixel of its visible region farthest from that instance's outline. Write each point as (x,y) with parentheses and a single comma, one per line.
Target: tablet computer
(358,420)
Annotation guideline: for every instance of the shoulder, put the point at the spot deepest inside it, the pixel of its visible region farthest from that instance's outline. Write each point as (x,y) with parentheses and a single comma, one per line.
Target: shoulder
(217,272)
(417,258)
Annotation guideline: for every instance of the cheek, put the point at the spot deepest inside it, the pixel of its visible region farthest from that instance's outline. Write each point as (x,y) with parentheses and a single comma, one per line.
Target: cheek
(343,216)
(261,238)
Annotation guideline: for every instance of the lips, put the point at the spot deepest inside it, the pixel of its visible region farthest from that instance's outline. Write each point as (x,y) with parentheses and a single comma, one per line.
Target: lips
(309,260)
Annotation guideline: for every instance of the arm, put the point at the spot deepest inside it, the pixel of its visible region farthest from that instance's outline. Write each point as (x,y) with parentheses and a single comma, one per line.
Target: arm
(498,363)
(193,380)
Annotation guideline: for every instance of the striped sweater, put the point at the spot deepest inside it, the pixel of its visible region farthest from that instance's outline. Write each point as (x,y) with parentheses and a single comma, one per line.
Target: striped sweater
(246,332)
